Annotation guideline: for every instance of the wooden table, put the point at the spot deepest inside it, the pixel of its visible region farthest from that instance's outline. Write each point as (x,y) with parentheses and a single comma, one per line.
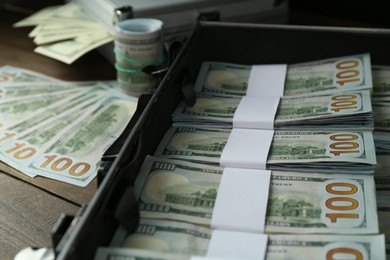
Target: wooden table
(29,207)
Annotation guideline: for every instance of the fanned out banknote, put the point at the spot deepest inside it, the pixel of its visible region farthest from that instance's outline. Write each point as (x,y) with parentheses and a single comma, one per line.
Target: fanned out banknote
(302,151)
(15,76)
(343,111)
(328,75)
(65,33)
(59,129)
(170,237)
(298,202)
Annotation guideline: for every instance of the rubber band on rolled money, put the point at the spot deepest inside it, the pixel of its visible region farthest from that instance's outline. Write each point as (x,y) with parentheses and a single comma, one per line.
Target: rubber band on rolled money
(267,80)
(247,148)
(256,112)
(236,245)
(237,186)
(130,60)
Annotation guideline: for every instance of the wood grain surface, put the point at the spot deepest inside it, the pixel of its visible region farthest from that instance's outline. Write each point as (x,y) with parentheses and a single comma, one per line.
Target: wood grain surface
(27,215)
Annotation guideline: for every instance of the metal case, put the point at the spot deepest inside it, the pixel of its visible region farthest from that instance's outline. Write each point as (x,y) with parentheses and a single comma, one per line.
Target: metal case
(114,205)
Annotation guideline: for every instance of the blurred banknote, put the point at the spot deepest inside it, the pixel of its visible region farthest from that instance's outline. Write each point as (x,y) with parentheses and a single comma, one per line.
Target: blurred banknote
(65,33)
(169,237)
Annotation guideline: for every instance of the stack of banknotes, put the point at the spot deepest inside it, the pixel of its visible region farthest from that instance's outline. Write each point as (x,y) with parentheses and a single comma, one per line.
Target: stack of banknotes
(59,129)
(65,32)
(327,191)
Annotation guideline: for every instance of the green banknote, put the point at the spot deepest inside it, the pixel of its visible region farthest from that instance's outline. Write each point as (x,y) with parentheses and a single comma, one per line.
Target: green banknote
(297,247)
(348,110)
(381,111)
(19,149)
(14,76)
(75,155)
(19,110)
(381,80)
(119,253)
(303,151)
(169,237)
(328,75)
(298,202)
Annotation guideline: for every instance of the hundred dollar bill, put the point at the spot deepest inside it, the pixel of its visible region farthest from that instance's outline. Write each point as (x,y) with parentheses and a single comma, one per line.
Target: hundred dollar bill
(381,80)
(76,33)
(20,149)
(116,253)
(298,247)
(298,202)
(303,151)
(382,141)
(328,75)
(18,144)
(74,157)
(382,174)
(169,237)
(36,89)
(381,111)
(70,50)
(292,247)
(13,76)
(37,17)
(12,110)
(70,12)
(329,111)
(49,33)
(37,109)
(186,239)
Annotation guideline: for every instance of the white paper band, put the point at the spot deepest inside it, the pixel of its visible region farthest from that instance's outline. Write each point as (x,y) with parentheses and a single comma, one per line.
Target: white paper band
(241,203)
(256,112)
(237,245)
(247,148)
(267,80)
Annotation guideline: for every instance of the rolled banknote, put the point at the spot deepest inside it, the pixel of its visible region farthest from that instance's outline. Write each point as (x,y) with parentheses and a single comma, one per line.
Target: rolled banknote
(349,110)
(303,151)
(328,75)
(170,237)
(138,43)
(298,202)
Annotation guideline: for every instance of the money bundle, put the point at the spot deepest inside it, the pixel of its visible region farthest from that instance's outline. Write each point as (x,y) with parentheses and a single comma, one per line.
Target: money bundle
(182,191)
(304,151)
(319,150)
(59,129)
(138,43)
(65,32)
(323,76)
(184,240)
(343,111)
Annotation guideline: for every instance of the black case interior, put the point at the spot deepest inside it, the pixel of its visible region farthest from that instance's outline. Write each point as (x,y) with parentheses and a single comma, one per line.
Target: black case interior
(114,203)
